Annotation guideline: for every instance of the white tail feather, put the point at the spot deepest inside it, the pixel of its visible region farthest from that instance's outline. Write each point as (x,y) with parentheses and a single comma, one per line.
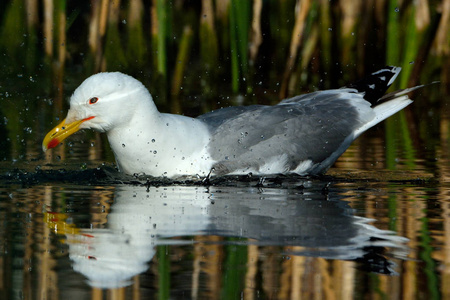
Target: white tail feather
(385,110)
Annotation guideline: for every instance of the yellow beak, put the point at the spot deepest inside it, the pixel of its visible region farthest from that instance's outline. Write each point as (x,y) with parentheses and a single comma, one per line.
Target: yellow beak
(61,132)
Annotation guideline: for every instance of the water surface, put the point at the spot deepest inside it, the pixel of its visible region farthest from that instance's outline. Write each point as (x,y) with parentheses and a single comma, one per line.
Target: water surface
(286,237)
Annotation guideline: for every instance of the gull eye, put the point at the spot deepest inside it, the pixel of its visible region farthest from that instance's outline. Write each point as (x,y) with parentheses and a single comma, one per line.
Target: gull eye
(93,100)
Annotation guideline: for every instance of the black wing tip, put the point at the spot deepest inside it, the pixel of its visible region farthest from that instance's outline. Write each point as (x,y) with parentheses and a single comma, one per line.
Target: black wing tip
(376,84)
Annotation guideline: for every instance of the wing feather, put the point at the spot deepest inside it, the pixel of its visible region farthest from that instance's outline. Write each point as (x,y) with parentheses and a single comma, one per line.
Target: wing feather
(302,128)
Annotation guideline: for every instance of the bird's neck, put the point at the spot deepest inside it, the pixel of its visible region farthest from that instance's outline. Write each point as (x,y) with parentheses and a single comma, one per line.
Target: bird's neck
(159,144)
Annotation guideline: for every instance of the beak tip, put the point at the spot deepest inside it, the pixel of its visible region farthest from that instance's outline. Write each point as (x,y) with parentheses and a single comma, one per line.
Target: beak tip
(50,144)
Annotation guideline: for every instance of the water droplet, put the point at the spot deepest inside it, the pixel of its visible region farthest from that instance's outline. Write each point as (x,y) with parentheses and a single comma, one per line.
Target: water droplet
(123,145)
(28,129)
(330,29)
(124,21)
(153,140)
(411,62)
(397,9)
(154,152)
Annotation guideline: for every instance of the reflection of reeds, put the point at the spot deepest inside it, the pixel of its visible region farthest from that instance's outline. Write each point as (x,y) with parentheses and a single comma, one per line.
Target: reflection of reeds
(163,272)
(37,264)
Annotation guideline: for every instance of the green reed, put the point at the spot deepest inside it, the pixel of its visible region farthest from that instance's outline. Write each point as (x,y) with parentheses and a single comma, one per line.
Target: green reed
(12,32)
(239,27)
(222,33)
(163,23)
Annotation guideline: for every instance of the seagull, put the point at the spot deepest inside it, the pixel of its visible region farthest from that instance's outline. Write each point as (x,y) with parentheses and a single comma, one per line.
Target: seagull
(303,135)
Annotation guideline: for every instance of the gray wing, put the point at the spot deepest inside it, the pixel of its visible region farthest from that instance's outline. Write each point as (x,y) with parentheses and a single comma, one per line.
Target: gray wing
(307,127)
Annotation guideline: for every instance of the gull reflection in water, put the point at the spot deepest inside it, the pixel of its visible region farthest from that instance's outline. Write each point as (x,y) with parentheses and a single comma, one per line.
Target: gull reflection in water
(141,219)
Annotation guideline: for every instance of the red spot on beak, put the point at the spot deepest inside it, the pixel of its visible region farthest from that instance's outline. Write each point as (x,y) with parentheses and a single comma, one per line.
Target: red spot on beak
(53,143)
(87,235)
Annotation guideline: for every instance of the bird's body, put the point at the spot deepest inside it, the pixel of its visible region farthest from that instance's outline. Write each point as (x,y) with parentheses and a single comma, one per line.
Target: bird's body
(303,135)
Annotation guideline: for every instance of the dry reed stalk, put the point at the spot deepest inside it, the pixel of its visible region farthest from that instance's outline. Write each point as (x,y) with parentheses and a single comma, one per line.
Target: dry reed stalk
(62,39)
(350,13)
(114,10)
(325,63)
(100,63)
(222,8)
(32,13)
(301,14)
(61,47)
(48,27)
(93,26)
(135,12)
(380,10)
(309,47)
(97,29)
(207,17)
(103,18)
(154,19)
(442,40)
(256,35)
(422,16)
